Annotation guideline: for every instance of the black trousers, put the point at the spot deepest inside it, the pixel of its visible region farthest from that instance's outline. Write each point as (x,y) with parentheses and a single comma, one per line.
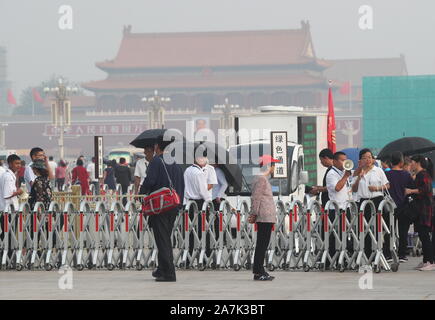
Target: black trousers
(368,240)
(162,225)
(404,223)
(264,231)
(199,230)
(124,188)
(332,248)
(424,235)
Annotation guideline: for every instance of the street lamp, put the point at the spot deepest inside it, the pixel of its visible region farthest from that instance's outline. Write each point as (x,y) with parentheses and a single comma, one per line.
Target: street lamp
(61,109)
(156,114)
(227,108)
(3,136)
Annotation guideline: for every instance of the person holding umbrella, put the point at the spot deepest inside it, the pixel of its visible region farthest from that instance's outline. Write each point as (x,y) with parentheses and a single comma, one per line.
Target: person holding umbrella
(159,175)
(263,213)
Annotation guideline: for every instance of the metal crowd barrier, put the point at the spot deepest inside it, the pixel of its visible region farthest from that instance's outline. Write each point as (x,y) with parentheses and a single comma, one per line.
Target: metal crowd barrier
(98,232)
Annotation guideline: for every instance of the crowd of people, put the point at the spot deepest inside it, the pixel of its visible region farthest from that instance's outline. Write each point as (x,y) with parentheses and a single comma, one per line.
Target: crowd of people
(408,181)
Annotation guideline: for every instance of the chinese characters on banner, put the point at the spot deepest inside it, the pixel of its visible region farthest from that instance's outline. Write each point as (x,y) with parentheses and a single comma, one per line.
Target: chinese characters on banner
(92,129)
(98,144)
(279,152)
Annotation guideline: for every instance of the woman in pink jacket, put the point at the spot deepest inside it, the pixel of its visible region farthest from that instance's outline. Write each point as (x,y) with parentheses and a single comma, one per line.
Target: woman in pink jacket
(263,212)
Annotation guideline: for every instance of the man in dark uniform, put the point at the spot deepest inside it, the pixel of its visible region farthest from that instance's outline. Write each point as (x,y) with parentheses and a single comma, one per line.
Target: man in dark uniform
(162,224)
(326,159)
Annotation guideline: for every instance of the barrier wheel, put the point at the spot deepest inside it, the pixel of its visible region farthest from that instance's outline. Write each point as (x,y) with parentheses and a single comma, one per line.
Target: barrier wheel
(201,267)
(139,266)
(248,266)
(341,268)
(19,267)
(236,267)
(151,264)
(58,265)
(110,266)
(48,267)
(395,267)
(182,265)
(270,267)
(30,266)
(322,267)
(377,269)
(90,266)
(213,266)
(306,268)
(285,266)
(79,267)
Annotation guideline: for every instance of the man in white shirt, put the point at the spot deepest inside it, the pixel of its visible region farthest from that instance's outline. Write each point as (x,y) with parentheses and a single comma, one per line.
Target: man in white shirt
(140,171)
(29,176)
(92,180)
(338,182)
(210,173)
(8,184)
(53,165)
(339,189)
(195,188)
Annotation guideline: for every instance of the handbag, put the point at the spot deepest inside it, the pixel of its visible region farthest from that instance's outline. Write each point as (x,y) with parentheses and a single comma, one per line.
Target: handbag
(387,196)
(410,210)
(161,200)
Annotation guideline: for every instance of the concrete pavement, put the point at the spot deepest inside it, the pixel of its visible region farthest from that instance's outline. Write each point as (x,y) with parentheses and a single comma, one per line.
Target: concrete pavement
(226,284)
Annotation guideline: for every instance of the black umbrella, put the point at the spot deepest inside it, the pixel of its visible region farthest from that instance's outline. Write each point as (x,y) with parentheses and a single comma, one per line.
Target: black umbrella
(408,146)
(150,137)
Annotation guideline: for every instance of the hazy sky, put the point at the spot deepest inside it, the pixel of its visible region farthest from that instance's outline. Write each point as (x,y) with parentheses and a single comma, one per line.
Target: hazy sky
(37,47)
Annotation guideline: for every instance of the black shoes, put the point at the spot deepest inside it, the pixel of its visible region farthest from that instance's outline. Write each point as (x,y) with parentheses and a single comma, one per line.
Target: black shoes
(161,278)
(156,273)
(165,279)
(263,277)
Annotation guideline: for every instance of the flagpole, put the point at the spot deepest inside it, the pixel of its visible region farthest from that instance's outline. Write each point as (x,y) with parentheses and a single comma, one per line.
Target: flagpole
(33,105)
(350,95)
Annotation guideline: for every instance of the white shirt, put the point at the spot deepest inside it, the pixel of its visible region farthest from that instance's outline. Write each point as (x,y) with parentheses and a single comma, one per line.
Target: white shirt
(53,166)
(375,177)
(141,169)
(210,173)
(29,176)
(221,186)
(195,184)
(91,170)
(7,187)
(334,175)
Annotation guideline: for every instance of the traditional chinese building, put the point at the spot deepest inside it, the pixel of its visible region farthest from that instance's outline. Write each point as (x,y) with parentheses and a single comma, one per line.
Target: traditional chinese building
(201,69)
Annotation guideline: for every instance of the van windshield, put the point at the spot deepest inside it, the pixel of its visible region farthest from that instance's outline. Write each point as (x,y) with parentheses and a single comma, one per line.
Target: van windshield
(116,155)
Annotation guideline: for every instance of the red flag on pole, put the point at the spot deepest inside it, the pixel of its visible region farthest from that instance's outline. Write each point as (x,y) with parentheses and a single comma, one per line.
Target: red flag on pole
(331,124)
(11,98)
(37,96)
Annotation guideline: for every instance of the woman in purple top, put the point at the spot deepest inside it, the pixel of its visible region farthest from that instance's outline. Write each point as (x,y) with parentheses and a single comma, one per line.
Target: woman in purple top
(400,180)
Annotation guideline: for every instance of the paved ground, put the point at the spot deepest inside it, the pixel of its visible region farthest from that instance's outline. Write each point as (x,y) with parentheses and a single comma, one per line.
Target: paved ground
(194,285)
